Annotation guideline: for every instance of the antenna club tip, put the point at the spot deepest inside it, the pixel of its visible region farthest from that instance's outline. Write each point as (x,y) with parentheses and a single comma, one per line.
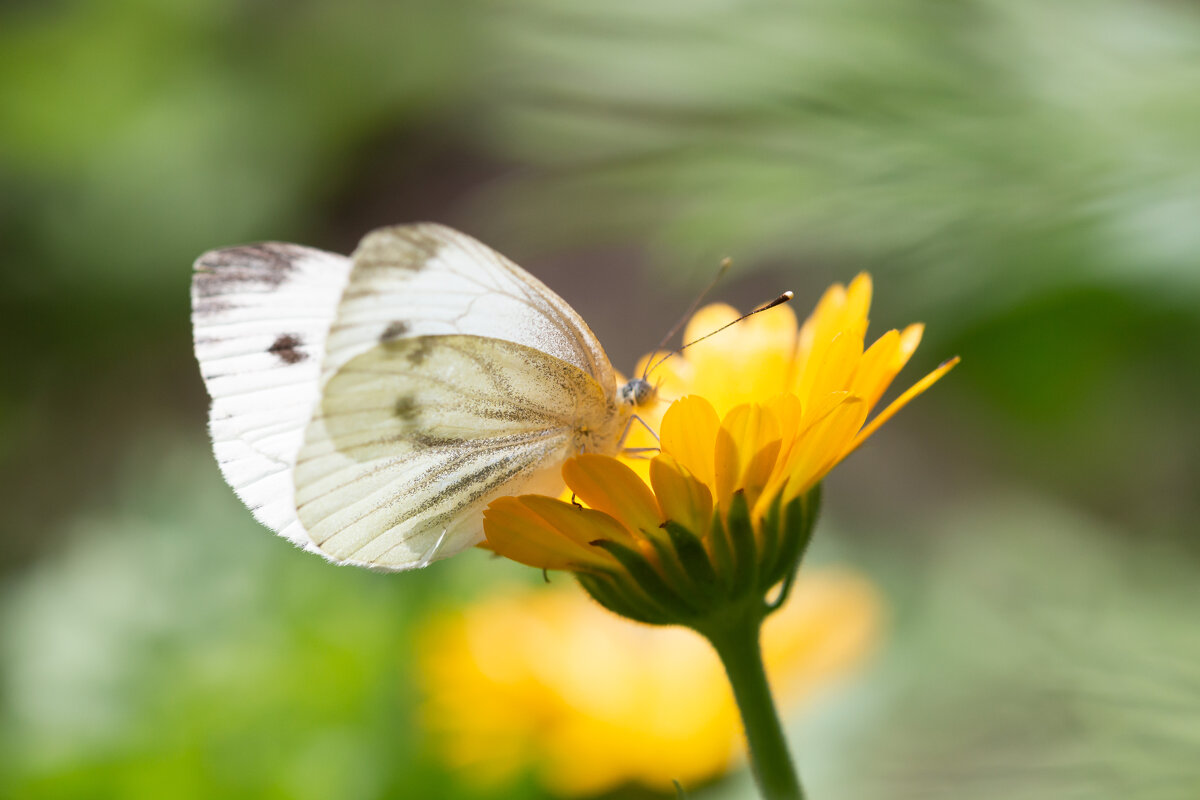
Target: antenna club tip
(726,263)
(778,301)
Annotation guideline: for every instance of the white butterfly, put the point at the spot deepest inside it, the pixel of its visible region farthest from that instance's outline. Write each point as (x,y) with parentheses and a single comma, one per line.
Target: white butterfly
(369,408)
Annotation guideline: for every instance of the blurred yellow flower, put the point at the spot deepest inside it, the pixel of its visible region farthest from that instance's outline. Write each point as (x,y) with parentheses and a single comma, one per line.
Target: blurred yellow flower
(547,682)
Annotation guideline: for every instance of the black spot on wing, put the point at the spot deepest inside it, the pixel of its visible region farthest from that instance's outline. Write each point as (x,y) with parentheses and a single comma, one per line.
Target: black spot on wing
(406,408)
(265,266)
(286,347)
(420,352)
(402,247)
(394,331)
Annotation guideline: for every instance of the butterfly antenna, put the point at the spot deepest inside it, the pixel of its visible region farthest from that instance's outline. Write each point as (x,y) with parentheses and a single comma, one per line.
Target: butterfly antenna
(778,301)
(726,263)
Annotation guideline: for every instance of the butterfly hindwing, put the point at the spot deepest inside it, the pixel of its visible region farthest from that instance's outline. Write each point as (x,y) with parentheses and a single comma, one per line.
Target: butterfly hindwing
(416,436)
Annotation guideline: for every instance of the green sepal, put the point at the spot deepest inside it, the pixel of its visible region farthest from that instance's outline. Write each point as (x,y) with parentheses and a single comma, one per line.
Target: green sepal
(692,556)
(647,578)
(799,518)
(673,571)
(699,581)
(771,532)
(721,552)
(745,549)
(607,591)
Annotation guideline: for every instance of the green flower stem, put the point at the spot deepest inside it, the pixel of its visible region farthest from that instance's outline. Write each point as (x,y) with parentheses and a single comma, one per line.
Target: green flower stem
(740,652)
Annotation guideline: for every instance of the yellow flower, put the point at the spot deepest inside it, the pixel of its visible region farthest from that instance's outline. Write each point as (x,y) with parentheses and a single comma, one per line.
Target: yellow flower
(701,534)
(725,510)
(727,513)
(547,682)
(820,362)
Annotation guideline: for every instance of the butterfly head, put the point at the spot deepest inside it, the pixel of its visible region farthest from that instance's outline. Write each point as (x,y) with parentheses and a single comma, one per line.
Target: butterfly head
(638,392)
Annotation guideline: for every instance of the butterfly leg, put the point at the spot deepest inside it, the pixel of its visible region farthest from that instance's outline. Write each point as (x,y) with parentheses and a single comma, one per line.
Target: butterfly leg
(629,426)
(635,452)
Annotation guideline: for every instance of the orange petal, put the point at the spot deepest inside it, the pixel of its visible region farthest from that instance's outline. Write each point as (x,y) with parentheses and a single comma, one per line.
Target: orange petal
(681,497)
(747,448)
(688,433)
(607,485)
(515,531)
(900,402)
(581,525)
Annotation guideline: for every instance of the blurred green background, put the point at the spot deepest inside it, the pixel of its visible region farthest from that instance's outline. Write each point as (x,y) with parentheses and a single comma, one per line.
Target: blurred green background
(1022,176)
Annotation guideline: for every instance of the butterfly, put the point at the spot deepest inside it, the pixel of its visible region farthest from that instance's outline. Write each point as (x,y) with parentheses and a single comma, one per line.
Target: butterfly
(368,408)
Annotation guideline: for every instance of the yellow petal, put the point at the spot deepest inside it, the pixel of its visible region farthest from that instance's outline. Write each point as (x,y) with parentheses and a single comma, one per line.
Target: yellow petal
(688,432)
(840,311)
(681,497)
(819,325)
(747,447)
(515,531)
(745,362)
(883,361)
(900,402)
(831,367)
(789,412)
(858,305)
(607,485)
(876,368)
(795,421)
(909,339)
(823,444)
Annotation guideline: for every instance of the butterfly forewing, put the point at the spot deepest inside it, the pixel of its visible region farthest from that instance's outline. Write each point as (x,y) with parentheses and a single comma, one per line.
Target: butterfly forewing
(414,437)
(260,317)
(427,279)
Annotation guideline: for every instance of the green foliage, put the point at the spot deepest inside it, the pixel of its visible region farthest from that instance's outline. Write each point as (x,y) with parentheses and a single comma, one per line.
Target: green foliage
(174,646)
(989,149)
